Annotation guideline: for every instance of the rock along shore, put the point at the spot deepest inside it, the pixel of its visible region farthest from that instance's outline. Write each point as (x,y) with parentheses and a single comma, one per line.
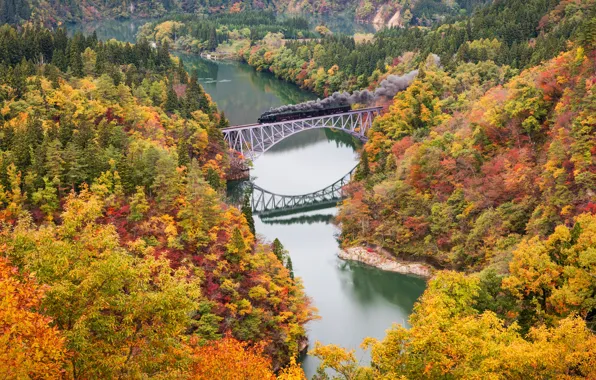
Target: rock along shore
(382,261)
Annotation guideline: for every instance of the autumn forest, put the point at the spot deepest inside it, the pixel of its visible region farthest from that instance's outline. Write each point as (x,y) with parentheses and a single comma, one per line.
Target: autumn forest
(122,256)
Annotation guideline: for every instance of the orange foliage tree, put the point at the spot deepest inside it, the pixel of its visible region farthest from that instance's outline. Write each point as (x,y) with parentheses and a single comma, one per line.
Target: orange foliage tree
(231,359)
(29,346)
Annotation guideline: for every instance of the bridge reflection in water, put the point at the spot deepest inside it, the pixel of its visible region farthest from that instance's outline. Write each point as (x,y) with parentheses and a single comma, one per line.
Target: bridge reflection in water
(253,140)
(268,204)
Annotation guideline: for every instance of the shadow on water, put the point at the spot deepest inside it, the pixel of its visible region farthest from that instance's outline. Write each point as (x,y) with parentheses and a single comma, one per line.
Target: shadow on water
(204,69)
(343,23)
(366,283)
(302,219)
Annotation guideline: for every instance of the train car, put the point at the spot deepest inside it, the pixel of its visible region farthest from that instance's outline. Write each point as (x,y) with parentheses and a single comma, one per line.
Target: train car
(271,117)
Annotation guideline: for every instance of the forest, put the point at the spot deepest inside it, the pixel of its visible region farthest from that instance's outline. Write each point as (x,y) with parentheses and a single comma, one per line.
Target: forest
(55,12)
(118,256)
(491,181)
(233,31)
(120,259)
(507,33)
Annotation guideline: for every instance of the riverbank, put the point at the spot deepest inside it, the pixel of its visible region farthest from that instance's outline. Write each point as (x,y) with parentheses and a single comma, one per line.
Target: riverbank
(384,261)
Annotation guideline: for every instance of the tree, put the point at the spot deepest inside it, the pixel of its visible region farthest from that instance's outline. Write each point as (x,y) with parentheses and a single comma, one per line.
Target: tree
(223,122)
(290,267)
(278,250)
(212,43)
(247,212)
(236,249)
(29,347)
(75,60)
(172,103)
(292,371)
(122,314)
(339,360)
(47,198)
(554,278)
(89,58)
(230,359)
(138,205)
(363,170)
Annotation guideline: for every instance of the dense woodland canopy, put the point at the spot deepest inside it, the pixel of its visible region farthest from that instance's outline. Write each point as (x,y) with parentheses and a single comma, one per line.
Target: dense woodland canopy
(115,244)
(238,30)
(114,239)
(507,33)
(494,176)
(422,12)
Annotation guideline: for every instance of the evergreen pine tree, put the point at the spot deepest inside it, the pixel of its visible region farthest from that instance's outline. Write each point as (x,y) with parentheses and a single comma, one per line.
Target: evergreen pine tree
(237,247)
(247,211)
(59,60)
(223,122)
(212,44)
(75,61)
(290,267)
(183,155)
(278,250)
(100,59)
(171,100)
(162,60)
(192,95)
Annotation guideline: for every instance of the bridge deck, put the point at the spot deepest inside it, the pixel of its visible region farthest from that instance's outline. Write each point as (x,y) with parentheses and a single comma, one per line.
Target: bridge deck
(245,126)
(252,140)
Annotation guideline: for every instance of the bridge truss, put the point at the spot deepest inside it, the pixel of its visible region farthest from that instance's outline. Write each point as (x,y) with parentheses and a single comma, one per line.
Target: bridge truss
(265,203)
(254,140)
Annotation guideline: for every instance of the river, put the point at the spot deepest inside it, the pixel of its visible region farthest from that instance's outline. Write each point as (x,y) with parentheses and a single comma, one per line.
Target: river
(354,301)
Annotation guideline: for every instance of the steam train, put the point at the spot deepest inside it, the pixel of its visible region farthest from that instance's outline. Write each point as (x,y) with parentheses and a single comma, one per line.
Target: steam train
(272,116)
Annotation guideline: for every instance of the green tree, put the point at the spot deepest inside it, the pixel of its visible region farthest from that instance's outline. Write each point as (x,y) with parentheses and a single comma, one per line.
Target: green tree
(236,249)
(75,60)
(279,250)
(247,212)
(172,103)
(47,198)
(290,267)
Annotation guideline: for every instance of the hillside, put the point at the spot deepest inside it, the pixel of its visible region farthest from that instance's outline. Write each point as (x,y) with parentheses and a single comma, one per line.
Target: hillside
(380,12)
(119,259)
(462,188)
(466,163)
(114,238)
(494,184)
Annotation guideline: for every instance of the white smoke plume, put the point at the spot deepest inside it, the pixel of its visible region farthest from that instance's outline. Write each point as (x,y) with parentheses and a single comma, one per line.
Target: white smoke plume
(387,88)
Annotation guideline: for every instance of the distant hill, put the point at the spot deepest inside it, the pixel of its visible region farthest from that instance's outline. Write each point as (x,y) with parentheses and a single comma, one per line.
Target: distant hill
(379,12)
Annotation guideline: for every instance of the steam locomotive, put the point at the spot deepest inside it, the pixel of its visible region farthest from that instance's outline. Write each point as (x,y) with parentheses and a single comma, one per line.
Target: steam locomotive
(272,116)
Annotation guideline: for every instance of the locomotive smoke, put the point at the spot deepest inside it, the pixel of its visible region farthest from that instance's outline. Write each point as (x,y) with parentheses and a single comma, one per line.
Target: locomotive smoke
(387,88)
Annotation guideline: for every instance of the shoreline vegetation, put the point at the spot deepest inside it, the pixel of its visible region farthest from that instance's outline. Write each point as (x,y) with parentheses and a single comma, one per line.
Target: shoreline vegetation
(381,259)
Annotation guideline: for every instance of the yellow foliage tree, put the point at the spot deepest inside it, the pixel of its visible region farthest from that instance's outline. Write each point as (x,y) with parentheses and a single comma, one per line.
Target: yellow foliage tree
(450,339)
